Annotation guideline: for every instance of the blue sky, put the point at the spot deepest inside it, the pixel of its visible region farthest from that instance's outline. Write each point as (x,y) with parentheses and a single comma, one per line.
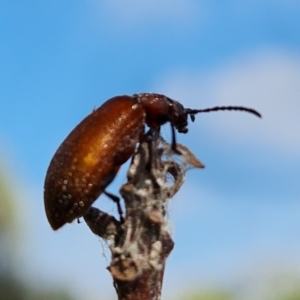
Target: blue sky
(61,59)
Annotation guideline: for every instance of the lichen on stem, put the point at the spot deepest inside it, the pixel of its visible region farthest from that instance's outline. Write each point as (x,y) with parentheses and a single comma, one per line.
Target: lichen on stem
(141,244)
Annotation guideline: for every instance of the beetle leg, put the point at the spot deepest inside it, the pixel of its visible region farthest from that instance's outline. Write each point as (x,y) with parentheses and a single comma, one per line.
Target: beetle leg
(149,137)
(116,199)
(174,148)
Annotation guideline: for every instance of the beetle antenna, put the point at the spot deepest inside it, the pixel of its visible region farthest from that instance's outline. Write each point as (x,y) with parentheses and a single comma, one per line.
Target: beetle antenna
(192,112)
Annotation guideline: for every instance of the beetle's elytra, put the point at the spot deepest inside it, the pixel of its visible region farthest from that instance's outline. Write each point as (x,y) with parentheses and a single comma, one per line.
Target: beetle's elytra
(91,155)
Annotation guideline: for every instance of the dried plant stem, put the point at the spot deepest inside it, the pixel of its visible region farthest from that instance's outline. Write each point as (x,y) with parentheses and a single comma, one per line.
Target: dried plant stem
(141,245)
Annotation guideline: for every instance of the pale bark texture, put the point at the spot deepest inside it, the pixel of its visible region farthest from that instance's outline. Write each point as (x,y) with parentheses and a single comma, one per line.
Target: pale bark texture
(141,244)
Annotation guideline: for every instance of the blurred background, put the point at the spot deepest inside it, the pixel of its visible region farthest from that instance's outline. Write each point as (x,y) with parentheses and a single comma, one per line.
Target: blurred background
(236,224)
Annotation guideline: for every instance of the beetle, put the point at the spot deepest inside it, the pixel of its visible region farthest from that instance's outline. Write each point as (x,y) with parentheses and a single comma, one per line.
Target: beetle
(89,158)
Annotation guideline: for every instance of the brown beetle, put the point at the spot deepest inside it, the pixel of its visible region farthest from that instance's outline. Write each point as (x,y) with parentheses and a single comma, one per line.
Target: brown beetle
(89,158)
